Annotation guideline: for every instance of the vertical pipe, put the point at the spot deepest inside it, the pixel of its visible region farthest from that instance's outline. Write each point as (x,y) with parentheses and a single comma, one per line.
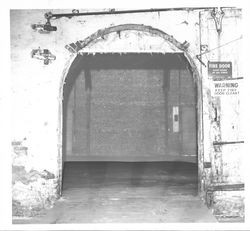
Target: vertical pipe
(88,87)
(199,113)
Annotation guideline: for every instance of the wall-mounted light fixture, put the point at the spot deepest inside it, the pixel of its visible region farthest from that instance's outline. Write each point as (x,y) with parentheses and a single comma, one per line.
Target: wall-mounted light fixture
(44,28)
(43,54)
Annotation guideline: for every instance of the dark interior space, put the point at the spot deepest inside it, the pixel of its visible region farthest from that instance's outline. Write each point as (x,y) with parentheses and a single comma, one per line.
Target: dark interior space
(130,107)
(100,174)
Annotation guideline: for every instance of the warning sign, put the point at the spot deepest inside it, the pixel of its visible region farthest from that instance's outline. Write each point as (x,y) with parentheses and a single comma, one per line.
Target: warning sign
(224,88)
(220,70)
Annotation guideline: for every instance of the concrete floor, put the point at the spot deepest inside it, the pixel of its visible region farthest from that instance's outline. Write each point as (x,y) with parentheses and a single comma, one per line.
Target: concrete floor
(95,192)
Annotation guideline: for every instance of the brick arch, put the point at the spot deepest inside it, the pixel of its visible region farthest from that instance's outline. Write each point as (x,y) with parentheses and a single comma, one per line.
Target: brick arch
(80,44)
(77,46)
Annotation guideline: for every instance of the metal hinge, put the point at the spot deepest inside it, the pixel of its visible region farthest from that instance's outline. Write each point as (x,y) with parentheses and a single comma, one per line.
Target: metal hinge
(207,164)
(221,187)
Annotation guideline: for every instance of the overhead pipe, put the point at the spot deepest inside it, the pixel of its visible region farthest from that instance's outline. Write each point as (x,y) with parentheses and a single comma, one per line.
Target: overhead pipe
(50,15)
(47,27)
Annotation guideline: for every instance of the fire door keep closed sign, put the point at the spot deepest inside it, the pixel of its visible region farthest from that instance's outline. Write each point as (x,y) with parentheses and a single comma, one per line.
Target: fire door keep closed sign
(220,70)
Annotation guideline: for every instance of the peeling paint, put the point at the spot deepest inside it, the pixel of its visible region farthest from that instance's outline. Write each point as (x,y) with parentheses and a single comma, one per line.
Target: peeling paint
(32,191)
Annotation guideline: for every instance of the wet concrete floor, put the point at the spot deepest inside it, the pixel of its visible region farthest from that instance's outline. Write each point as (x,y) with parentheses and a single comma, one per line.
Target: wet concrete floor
(143,192)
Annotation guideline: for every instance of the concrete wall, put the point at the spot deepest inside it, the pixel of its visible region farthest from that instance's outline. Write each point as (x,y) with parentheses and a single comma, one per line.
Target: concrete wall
(36,96)
(225,116)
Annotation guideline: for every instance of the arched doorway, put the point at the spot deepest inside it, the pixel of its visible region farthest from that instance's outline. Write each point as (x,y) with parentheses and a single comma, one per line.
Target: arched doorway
(88,58)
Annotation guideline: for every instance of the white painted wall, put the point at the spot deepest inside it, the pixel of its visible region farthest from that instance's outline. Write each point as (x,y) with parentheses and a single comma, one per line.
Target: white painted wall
(35,86)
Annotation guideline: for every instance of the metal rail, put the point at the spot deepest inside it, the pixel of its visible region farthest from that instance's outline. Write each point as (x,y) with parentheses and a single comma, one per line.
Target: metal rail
(227,142)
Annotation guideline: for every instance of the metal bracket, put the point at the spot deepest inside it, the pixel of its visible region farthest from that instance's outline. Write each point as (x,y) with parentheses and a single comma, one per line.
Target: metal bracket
(204,48)
(209,199)
(44,28)
(185,44)
(218,15)
(199,58)
(43,54)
